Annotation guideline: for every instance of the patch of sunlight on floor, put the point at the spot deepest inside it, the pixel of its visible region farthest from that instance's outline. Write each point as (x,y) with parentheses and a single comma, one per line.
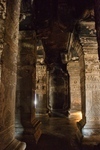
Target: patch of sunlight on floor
(77,115)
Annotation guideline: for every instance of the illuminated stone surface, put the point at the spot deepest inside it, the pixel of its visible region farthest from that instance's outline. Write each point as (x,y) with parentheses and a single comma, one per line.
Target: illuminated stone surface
(75,91)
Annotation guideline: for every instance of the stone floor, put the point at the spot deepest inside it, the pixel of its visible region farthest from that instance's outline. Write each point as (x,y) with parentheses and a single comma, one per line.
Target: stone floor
(61,133)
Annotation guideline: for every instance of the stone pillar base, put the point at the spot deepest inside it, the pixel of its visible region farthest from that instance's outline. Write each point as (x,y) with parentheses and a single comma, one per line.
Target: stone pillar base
(58,113)
(30,134)
(37,131)
(16,145)
(81,123)
(42,111)
(76,140)
(79,136)
(91,133)
(91,136)
(91,129)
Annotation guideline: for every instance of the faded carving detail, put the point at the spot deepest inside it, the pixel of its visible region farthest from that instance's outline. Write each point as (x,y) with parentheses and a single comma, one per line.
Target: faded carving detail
(92,100)
(92,72)
(1,104)
(41,79)
(2,9)
(2,17)
(74,72)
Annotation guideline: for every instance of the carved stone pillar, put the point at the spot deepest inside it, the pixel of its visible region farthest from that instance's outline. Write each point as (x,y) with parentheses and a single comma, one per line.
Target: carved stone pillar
(97,22)
(77,47)
(41,80)
(0,67)
(58,92)
(92,77)
(75,93)
(8,75)
(2,22)
(1,43)
(48,88)
(41,89)
(27,127)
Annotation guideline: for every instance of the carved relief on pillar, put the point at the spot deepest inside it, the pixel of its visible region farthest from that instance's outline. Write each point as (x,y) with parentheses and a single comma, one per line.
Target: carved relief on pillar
(8,78)
(75,93)
(41,89)
(93,105)
(2,20)
(92,73)
(40,79)
(2,29)
(1,105)
(78,47)
(97,22)
(2,9)
(2,17)
(92,95)
(0,68)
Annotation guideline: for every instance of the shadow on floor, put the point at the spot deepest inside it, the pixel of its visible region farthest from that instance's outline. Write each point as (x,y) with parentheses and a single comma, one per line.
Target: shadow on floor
(54,142)
(51,142)
(62,134)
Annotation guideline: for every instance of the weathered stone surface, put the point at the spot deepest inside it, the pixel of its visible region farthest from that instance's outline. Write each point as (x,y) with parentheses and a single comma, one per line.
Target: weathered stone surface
(41,89)
(58,92)
(78,48)
(92,77)
(75,92)
(2,9)
(97,22)
(27,127)
(2,21)
(8,76)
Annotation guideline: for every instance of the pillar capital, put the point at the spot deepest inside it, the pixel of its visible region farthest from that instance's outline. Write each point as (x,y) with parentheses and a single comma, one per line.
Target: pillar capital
(73,65)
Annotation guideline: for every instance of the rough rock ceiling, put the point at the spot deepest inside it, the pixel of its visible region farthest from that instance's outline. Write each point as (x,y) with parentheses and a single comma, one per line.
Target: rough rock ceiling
(53,20)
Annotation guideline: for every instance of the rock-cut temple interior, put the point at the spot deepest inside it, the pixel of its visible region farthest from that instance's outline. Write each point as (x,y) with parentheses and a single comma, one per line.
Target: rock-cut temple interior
(49,75)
